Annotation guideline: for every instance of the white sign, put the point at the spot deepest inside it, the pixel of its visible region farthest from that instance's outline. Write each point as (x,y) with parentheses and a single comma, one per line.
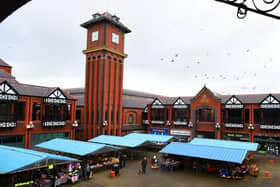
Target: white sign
(53,123)
(54,100)
(157,122)
(272,127)
(180,106)
(8,124)
(180,132)
(8,97)
(234,125)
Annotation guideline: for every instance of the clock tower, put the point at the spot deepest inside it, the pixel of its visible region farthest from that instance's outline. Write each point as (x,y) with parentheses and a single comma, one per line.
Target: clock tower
(104,74)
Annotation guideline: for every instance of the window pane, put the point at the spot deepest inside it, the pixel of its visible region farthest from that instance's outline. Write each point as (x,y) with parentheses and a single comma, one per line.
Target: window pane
(36,111)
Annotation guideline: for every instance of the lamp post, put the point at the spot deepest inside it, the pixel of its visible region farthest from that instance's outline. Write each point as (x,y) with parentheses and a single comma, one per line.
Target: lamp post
(29,126)
(190,124)
(251,128)
(105,124)
(74,125)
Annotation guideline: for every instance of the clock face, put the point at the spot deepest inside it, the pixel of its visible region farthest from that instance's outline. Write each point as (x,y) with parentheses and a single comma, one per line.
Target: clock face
(94,36)
(115,38)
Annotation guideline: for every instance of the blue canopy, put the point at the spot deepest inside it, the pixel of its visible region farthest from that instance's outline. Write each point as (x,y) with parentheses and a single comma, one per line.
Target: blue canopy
(118,141)
(225,143)
(149,137)
(75,147)
(13,159)
(205,152)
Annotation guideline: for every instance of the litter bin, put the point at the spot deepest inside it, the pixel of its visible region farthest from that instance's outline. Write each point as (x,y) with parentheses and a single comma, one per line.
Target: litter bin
(116,169)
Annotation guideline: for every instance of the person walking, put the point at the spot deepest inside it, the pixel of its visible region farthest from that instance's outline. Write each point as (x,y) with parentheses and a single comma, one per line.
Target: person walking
(144,165)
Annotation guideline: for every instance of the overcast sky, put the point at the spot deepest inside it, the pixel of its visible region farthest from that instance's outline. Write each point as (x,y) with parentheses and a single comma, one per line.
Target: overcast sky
(175,47)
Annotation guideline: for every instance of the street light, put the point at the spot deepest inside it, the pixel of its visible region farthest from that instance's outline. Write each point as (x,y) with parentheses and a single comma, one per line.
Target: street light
(217,126)
(75,124)
(30,125)
(251,127)
(168,123)
(105,123)
(190,124)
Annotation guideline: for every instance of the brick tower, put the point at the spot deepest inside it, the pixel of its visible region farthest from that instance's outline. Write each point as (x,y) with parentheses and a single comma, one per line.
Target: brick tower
(104,74)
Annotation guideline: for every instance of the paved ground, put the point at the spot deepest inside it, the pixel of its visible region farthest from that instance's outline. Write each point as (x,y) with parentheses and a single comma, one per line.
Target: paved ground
(163,178)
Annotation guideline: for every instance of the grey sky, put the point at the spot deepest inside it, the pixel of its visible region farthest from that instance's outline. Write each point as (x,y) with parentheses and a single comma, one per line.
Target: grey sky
(43,41)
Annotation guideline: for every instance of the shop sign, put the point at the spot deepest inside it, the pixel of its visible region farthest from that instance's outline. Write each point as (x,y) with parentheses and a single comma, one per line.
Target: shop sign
(159,131)
(53,123)
(234,125)
(180,132)
(55,100)
(7,124)
(8,97)
(270,127)
(157,122)
(233,135)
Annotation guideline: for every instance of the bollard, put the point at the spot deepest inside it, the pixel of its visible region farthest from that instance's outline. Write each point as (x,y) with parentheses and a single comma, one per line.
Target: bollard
(266,174)
(271,162)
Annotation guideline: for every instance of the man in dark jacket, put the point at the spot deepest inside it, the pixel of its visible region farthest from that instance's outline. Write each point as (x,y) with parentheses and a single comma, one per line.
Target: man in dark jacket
(144,165)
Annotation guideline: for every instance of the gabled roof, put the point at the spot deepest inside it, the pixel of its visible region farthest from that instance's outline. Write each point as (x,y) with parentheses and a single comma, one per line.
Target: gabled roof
(3,63)
(205,89)
(106,16)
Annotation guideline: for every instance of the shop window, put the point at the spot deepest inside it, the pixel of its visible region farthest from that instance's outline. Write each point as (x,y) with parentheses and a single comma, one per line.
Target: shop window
(130,119)
(20,111)
(157,114)
(257,116)
(17,141)
(6,112)
(271,116)
(205,115)
(247,115)
(180,115)
(57,112)
(36,112)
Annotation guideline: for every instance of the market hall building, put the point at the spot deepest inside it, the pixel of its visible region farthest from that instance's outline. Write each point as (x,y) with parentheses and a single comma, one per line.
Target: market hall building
(32,114)
(104,107)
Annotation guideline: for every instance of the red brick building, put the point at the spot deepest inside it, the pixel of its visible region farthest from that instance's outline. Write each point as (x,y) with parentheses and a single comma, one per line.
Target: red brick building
(32,114)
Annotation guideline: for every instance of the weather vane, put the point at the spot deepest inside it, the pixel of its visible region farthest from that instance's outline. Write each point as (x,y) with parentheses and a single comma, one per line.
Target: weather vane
(262,7)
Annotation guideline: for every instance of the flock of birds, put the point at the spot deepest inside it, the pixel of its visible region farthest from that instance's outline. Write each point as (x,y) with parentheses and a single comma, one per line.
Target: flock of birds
(239,76)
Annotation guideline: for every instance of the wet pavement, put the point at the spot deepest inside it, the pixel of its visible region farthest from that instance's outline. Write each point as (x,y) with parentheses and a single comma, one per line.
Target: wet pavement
(129,177)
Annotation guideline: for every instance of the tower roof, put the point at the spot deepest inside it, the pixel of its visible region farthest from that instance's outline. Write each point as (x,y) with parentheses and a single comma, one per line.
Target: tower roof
(3,63)
(106,16)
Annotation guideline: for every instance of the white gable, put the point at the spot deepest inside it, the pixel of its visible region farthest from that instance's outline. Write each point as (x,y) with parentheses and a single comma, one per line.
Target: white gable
(233,102)
(270,102)
(180,104)
(157,104)
(7,92)
(56,97)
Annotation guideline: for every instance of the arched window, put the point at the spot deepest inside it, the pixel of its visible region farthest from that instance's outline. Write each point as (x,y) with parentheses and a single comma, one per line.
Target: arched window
(130,119)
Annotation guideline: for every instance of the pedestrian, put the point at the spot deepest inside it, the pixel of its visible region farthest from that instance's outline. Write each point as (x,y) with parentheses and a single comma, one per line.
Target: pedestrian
(87,170)
(144,165)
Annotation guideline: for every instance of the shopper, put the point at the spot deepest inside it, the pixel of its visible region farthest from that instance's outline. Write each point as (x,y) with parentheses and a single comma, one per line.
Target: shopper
(144,165)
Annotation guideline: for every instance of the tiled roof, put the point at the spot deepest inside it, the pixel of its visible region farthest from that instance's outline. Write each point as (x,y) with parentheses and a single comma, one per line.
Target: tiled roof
(3,63)
(106,17)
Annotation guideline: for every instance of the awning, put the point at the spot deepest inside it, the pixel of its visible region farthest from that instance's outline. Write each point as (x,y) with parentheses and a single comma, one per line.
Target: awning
(225,143)
(205,152)
(117,141)
(75,147)
(149,137)
(13,159)
(132,140)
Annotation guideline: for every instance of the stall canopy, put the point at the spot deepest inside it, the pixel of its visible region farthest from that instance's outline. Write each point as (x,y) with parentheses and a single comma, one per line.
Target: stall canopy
(15,159)
(75,147)
(205,152)
(132,140)
(118,141)
(225,143)
(154,138)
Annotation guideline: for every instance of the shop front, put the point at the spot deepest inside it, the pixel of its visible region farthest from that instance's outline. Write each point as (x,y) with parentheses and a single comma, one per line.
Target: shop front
(235,136)
(181,135)
(268,144)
